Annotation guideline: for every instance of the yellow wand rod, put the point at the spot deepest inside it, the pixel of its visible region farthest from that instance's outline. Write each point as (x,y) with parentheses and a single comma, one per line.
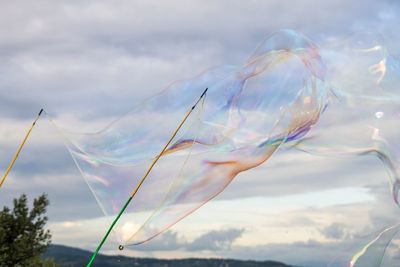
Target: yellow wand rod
(19,149)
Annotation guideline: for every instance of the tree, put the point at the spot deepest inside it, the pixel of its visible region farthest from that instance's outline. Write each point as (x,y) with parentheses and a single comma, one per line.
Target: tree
(22,235)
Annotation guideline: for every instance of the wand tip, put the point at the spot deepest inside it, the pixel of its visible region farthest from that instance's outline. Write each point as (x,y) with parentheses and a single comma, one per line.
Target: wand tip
(202,95)
(205,91)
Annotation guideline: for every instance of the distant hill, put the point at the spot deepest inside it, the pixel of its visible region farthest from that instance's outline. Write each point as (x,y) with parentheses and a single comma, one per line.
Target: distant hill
(74,257)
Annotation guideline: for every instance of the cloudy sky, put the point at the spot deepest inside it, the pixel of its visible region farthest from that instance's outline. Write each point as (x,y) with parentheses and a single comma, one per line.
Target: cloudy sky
(86,61)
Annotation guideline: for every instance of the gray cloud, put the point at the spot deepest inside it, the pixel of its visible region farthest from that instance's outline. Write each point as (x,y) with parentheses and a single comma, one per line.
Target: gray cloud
(334,231)
(93,59)
(216,240)
(168,241)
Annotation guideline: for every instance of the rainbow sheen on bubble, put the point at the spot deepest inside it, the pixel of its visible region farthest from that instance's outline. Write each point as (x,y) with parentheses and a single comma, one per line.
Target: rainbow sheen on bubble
(248,113)
(372,254)
(361,117)
(337,99)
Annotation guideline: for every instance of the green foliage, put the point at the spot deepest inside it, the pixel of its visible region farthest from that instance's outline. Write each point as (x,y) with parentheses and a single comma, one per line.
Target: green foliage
(22,235)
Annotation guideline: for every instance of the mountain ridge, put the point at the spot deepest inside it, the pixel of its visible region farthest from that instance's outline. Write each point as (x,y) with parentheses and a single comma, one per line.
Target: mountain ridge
(76,257)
